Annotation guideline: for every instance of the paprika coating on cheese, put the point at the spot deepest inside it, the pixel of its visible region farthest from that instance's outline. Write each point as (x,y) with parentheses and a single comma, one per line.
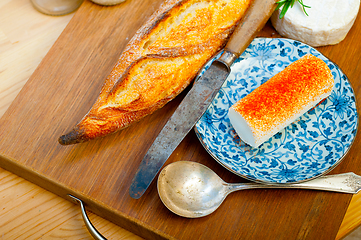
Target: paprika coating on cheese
(285,97)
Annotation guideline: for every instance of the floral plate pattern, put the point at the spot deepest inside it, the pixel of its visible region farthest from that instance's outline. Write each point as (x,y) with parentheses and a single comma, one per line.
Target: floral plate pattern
(309,147)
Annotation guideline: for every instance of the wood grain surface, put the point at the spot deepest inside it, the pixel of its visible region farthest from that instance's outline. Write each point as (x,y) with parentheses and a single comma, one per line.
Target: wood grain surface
(52,173)
(28,211)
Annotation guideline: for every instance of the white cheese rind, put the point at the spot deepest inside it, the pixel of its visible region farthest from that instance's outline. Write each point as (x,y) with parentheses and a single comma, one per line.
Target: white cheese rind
(327,23)
(281,100)
(242,128)
(255,139)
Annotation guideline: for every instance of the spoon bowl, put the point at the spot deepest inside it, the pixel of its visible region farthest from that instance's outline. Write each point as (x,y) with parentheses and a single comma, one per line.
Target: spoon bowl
(192,190)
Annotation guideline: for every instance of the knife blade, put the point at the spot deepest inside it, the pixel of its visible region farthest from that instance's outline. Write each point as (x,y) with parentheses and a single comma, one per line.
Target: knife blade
(200,96)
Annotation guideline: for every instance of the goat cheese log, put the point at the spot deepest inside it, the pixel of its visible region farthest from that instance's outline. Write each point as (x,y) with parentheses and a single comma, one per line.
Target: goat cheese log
(159,62)
(327,22)
(281,100)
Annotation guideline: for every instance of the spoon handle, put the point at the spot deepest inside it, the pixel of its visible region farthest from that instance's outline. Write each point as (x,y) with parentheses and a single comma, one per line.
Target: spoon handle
(345,182)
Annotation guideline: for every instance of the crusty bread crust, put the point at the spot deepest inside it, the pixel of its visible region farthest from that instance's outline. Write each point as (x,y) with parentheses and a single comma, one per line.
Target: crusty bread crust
(159,62)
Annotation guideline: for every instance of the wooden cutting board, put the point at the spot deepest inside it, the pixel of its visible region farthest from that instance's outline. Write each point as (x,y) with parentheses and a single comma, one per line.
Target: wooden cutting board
(64,87)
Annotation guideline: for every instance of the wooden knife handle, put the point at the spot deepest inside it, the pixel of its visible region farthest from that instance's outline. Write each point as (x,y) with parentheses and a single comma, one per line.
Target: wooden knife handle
(254,20)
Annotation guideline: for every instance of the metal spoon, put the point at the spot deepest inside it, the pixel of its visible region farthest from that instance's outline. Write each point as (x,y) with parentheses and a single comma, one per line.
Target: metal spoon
(192,190)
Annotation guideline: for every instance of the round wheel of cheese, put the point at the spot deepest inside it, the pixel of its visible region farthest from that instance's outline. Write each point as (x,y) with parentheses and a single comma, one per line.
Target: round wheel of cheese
(327,23)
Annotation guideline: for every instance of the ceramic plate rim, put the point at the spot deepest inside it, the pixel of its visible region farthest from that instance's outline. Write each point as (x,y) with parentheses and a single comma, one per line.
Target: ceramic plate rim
(255,179)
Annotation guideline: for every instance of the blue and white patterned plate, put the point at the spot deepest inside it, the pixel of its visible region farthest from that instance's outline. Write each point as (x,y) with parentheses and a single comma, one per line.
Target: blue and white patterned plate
(310,147)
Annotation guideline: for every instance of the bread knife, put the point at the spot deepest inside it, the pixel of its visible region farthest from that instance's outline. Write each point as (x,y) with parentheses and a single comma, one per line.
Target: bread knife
(196,102)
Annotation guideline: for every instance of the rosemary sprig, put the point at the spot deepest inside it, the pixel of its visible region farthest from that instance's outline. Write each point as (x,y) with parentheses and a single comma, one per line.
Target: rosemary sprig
(289,3)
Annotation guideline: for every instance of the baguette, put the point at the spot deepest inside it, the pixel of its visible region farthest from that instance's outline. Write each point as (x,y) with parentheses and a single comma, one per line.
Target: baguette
(160,61)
